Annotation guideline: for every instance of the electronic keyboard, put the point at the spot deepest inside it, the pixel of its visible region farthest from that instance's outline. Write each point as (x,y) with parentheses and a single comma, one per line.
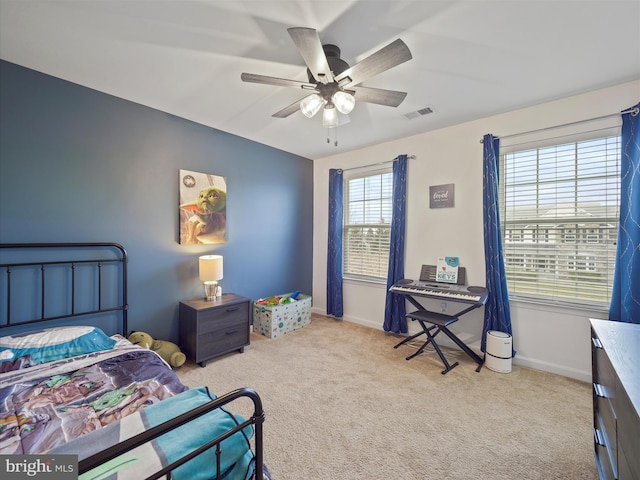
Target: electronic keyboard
(441,291)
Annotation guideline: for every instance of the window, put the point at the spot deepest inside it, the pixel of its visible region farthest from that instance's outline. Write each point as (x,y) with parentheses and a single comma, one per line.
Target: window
(593,238)
(367,224)
(567,196)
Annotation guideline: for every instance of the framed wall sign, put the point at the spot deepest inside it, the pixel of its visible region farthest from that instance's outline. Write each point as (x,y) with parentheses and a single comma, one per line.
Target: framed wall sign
(442,196)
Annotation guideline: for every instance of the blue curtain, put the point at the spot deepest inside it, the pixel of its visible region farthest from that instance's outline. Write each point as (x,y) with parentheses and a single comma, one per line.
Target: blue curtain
(334,247)
(625,296)
(395,309)
(497,313)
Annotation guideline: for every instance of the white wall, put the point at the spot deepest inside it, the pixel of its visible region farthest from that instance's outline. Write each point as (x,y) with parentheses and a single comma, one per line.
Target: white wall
(545,337)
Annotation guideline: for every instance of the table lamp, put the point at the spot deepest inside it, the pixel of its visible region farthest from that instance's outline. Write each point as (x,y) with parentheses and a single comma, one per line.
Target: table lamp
(210,267)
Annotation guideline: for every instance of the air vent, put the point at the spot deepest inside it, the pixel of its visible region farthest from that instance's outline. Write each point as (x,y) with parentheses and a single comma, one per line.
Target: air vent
(419,113)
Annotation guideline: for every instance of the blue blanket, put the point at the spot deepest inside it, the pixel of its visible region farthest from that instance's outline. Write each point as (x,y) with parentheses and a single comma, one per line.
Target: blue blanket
(236,462)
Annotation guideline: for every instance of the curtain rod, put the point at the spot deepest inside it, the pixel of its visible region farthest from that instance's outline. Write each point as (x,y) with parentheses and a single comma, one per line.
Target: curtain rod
(373,164)
(634,111)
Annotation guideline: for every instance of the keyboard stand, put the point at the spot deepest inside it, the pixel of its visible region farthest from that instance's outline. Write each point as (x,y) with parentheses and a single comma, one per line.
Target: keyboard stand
(440,323)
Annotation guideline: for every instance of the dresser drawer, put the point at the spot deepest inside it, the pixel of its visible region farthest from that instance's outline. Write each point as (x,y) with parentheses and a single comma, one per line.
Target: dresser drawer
(221,318)
(606,425)
(603,461)
(603,372)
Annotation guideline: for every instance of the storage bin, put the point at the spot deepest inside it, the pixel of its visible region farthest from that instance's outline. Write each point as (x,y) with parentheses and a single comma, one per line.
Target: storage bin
(278,320)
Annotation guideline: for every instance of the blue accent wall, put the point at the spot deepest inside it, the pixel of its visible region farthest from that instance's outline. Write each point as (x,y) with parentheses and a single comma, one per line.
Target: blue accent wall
(77,165)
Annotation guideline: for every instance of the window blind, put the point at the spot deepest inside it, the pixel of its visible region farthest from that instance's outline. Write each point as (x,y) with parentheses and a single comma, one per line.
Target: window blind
(560,211)
(367,225)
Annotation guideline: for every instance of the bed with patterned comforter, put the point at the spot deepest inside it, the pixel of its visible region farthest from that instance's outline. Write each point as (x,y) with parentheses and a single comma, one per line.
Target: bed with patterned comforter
(79,404)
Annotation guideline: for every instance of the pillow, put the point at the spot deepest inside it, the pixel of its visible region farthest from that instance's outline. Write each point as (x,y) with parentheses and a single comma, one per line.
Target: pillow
(49,344)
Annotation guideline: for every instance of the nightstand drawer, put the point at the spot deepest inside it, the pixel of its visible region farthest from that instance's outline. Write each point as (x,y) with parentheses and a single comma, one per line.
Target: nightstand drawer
(224,340)
(215,319)
(221,318)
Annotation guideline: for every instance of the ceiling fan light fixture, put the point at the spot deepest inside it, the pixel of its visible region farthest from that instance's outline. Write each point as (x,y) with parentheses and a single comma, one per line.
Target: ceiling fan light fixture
(330,116)
(310,105)
(343,101)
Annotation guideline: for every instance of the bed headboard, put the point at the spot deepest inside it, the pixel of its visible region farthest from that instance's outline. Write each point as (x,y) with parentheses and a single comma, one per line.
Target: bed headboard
(58,283)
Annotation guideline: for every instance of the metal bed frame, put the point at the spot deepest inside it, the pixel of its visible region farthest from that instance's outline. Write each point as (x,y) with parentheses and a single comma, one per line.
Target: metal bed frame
(72,312)
(121,257)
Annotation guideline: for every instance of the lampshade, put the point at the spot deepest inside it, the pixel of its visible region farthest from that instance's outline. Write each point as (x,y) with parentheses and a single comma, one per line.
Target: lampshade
(330,116)
(343,101)
(310,105)
(210,267)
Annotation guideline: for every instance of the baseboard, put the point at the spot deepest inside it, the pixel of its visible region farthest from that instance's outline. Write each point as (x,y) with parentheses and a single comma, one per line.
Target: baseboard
(357,320)
(553,368)
(584,376)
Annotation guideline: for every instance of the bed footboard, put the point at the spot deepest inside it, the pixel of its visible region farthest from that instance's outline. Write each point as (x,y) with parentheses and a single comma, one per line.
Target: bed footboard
(257,420)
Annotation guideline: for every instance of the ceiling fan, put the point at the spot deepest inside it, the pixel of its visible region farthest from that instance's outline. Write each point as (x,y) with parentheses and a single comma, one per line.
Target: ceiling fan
(335,85)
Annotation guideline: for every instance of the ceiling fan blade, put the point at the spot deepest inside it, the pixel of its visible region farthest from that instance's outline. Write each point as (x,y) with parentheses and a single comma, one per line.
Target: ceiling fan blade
(390,98)
(343,119)
(387,57)
(286,111)
(308,42)
(279,82)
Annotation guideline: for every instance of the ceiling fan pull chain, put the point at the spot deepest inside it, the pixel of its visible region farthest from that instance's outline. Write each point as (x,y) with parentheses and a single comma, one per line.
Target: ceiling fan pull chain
(335,136)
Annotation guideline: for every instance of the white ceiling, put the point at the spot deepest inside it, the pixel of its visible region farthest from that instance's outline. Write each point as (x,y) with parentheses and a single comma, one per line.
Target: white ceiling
(471,58)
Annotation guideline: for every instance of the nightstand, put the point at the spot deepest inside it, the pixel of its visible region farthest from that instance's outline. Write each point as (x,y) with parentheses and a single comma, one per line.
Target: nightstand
(212,328)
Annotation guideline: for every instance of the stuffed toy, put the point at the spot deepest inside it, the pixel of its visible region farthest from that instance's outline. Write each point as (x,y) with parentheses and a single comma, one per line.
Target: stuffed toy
(170,352)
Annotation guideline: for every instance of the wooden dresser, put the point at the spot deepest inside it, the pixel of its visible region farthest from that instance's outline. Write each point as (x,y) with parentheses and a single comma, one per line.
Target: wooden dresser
(615,357)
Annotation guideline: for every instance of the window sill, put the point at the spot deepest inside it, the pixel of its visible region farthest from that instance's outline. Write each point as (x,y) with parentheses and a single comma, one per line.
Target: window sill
(548,306)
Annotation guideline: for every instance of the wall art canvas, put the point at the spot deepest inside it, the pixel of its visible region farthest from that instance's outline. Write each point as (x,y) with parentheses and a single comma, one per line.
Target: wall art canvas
(203,208)
(442,196)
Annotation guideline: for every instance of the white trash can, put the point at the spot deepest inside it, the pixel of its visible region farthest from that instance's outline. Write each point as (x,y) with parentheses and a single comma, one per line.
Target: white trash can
(499,350)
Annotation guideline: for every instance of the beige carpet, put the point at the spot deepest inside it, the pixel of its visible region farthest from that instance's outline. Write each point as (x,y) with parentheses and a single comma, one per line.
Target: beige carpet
(341,403)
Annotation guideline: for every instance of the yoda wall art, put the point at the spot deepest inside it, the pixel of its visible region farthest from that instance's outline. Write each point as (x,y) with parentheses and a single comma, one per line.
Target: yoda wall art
(203,208)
